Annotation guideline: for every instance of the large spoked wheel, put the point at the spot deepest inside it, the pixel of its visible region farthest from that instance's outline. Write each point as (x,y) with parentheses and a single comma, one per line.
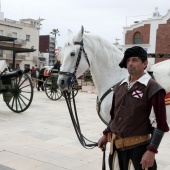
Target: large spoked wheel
(22,93)
(75,91)
(51,88)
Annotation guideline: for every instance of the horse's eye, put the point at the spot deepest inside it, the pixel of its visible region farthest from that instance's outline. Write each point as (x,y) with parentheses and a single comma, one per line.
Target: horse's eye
(72,54)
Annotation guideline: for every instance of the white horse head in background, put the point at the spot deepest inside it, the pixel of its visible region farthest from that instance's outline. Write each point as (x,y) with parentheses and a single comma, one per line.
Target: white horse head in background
(102,58)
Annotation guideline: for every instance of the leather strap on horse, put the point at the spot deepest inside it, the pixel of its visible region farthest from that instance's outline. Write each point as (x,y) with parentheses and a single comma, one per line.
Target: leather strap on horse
(74,117)
(75,121)
(76,125)
(99,101)
(104,163)
(78,61)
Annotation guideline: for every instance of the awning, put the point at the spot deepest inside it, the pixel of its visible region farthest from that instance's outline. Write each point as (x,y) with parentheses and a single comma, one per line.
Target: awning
(17,50)
(5,38)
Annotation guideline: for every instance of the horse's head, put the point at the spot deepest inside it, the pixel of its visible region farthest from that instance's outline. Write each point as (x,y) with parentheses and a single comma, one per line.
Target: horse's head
(75,60)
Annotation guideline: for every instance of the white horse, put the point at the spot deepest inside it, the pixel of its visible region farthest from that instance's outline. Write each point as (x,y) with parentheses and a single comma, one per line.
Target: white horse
(102,58)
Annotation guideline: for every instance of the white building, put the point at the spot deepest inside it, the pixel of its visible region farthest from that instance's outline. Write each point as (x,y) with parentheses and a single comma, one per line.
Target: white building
(26,32)
(152,34)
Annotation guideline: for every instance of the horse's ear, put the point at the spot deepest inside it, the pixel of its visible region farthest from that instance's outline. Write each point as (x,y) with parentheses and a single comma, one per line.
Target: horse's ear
(69,32)
(79,36)
(82,29)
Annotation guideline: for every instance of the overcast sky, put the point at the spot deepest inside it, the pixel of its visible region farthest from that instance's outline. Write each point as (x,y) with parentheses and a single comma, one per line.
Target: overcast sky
(105,18)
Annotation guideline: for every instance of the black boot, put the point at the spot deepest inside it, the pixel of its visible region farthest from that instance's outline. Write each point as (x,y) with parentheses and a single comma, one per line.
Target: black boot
(38,88)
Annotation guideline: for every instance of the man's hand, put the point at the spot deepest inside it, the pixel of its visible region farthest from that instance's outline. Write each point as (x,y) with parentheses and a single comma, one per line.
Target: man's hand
(102,142)
(147,159)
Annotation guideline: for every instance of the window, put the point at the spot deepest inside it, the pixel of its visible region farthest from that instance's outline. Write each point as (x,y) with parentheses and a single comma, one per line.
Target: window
(14,34)
(1,32)
(137,38)
(26,66)
(27,37)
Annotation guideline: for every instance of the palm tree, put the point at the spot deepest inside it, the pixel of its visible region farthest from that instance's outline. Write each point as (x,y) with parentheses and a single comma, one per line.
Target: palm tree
(55,32)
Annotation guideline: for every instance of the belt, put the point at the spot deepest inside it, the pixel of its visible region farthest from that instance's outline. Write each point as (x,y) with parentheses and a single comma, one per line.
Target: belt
(130,141)
(125,142)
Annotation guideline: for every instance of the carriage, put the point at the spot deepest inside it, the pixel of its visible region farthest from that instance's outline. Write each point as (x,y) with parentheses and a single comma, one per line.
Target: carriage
(51,88)
(15,86)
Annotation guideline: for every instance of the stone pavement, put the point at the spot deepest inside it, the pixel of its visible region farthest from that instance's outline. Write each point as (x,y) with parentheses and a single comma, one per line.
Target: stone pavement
(43,138)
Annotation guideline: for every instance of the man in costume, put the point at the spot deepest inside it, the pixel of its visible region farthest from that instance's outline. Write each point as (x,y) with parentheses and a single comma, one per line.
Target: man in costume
(133,134)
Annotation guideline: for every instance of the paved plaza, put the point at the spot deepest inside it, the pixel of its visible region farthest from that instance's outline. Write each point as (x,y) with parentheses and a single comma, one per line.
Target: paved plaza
(43,138)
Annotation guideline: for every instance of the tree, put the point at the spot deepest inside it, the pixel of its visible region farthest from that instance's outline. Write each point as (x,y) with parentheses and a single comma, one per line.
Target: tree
(55,32)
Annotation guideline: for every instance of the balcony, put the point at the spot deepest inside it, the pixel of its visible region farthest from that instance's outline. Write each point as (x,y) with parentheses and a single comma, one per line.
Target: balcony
(10,56)
(21,57)
(40,58)
(52,40)
(20,41)
(51,45)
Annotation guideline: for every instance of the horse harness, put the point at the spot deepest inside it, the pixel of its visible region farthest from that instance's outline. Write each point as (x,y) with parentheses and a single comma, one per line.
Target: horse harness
(78,60)
(73,75)
(66,94)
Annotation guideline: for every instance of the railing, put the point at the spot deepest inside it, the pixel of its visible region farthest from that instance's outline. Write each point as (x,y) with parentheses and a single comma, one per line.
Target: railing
(10,56)
(40,58)
(20,41)
(21,57)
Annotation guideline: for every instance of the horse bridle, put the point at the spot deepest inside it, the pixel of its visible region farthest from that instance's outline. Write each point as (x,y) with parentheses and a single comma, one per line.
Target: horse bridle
(74,117)
(73,75)
(67,95)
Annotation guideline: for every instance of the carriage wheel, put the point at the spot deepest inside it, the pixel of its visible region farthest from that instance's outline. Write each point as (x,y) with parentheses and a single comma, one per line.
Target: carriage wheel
(22,94)
(51,89)
(75,88)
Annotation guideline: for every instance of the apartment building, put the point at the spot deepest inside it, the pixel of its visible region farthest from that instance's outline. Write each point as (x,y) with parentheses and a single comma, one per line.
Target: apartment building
(25,38)
(47,48)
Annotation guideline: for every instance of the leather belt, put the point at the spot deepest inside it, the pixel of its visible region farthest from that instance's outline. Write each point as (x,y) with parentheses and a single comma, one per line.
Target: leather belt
(120,143)
(130,141)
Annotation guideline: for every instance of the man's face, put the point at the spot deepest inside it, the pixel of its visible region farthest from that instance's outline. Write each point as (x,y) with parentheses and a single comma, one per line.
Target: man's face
(135,65)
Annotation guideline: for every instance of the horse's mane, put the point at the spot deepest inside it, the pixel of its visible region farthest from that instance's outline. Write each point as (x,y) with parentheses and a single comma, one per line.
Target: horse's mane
(99,45)
(109,50)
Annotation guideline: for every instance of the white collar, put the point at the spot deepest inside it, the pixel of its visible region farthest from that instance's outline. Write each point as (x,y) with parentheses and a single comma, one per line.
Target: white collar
(143,80)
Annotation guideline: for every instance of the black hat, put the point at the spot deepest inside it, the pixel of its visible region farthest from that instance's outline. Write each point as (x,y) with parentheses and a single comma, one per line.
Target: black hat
(135,51)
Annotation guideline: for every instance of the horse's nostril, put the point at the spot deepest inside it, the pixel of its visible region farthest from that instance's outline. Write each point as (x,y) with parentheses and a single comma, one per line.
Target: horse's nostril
(62,82)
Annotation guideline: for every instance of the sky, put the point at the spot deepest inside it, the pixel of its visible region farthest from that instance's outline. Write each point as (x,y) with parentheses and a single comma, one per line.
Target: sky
(105,18)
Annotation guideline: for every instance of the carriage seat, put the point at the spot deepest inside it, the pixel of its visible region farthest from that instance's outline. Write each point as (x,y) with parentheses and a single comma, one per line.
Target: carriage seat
(54,72)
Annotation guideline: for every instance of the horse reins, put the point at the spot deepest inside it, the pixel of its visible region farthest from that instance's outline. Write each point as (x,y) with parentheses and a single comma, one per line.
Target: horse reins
(68,95)
(78,60)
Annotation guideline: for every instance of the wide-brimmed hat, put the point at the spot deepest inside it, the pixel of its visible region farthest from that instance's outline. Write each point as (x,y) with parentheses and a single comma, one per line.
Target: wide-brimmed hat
(135,51)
